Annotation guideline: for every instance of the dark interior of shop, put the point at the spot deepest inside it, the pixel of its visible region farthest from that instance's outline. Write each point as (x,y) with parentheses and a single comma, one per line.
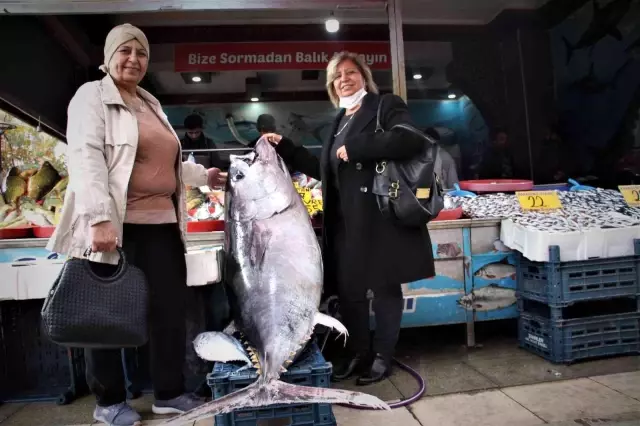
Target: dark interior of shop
(470,68)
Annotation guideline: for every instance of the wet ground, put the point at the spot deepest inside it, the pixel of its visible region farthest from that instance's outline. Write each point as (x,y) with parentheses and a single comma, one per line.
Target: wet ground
(495,384)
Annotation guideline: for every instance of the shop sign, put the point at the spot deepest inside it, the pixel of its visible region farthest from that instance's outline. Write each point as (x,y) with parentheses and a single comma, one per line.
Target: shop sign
(539,200)
(264,56)
(631,194)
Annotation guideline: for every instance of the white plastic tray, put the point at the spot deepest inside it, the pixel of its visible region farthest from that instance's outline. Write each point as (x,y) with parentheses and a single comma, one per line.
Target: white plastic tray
(203,265)
(579,245)
(33,279)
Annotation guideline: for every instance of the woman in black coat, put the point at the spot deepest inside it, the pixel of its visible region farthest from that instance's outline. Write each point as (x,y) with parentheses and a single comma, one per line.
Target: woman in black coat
(362,250)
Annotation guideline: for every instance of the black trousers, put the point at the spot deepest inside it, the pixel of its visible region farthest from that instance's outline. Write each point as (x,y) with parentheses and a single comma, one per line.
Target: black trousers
(388,316)
(158,251)
(387,307)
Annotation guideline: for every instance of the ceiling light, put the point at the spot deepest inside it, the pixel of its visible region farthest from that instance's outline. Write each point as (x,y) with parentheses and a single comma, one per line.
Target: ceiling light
(417,76)
(255,99)
(332,25)
(451,96)
(196,79)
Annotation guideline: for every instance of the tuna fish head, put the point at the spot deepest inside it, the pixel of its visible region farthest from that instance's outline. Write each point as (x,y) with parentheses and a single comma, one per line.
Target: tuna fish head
(259,184)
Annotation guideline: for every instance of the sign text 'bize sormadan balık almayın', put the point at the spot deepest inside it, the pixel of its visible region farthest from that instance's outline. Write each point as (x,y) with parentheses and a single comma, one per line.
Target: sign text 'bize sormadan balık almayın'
(274,56)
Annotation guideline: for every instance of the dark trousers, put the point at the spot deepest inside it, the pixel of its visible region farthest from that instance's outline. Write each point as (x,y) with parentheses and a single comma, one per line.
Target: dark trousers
(388,316)
(388,305)
(158,251)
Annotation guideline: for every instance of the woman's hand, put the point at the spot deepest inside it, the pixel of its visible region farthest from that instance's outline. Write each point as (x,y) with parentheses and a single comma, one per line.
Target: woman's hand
(342,153)
(273,138)
(104,237)
(216,178)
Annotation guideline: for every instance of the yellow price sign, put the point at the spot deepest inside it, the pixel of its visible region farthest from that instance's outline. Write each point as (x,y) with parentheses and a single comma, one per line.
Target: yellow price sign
(539,200)
(631,194)
(313,205)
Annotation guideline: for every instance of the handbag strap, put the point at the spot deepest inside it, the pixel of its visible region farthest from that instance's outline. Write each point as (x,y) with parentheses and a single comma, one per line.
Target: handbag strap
(379,127)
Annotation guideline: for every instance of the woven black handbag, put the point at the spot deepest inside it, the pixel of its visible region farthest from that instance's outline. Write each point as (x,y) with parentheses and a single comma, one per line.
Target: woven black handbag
(88,311)
(408,192)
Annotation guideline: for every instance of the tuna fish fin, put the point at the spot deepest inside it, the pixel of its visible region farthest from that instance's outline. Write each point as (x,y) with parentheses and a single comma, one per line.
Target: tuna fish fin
(259,241)
(332,323)
(259,394)
(230,329)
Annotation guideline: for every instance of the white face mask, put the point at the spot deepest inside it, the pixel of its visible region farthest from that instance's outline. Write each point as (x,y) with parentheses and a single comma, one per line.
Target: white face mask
(353,100)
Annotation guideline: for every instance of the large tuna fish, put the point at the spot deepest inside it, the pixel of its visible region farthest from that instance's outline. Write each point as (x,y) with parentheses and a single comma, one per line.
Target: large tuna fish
(274,268)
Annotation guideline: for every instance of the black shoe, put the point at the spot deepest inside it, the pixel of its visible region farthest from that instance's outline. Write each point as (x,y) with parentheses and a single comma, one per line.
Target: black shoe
(348,368)
(380,370)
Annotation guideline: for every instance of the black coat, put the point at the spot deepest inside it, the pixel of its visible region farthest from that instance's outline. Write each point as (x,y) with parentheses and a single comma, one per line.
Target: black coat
(377,253)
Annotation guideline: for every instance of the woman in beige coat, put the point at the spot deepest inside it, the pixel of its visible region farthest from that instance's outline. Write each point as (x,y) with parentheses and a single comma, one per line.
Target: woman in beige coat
(126,187)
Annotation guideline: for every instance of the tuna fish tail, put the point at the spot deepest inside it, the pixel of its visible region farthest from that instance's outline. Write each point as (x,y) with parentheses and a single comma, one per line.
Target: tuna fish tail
(260,394)
(295,394)
(239,399)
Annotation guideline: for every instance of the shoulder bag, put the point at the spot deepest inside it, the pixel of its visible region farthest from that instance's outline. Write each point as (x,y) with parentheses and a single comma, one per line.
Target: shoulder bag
(409,191)
(89,311)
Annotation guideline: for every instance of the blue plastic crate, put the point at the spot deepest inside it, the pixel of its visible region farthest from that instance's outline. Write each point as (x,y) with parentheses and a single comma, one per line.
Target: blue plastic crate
(565,341)
(560,283)
(311,369)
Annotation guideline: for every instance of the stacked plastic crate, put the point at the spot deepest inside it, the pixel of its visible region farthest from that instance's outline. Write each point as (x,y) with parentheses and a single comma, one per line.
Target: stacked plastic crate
(310,369)
(580,309)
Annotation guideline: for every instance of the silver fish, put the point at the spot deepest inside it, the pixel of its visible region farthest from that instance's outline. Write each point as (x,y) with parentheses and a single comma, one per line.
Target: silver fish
(581,211)
(274,269)
(213,346)
(489,298)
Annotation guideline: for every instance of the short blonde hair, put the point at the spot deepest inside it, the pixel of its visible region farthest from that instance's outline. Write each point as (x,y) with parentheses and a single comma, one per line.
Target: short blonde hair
(332,70)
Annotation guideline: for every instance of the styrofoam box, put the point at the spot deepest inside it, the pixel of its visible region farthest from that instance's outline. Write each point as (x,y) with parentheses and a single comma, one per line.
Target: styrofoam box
(203,265)
(578,245)
(8,282)
(33,279)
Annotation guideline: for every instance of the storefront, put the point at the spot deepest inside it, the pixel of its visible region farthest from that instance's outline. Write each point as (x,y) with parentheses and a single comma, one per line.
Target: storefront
(463,75)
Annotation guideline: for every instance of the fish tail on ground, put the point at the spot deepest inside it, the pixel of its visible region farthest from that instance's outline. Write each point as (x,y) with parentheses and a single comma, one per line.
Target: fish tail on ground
(287,393)
(260,394)
(242,398)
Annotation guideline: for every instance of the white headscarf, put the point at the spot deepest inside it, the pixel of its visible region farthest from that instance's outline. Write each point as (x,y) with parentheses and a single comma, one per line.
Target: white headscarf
(117,37)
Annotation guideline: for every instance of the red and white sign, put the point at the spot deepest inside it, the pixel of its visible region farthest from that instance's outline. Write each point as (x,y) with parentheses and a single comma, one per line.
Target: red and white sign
(274,56)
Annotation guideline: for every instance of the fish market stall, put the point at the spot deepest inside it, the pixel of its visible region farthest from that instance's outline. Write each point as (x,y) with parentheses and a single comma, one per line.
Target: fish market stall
(475,278)
(585,224)
(475,272)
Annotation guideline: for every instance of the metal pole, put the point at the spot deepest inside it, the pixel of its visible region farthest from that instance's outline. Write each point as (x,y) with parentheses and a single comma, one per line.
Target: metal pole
(396,41)
(237,149)
(526,103)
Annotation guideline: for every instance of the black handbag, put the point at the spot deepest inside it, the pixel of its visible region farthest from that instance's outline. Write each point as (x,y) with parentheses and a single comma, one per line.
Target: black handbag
(408,192)
(88,311)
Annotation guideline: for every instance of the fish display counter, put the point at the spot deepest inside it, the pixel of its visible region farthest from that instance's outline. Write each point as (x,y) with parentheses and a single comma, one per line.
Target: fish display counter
(28,269)
(475,272)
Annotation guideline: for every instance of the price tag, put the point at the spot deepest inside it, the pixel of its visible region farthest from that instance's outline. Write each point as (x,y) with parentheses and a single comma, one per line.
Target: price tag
(313,205)
(539,200)
(631,194)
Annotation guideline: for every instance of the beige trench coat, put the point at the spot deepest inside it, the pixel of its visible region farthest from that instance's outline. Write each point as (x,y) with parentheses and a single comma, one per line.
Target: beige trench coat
(102,138)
